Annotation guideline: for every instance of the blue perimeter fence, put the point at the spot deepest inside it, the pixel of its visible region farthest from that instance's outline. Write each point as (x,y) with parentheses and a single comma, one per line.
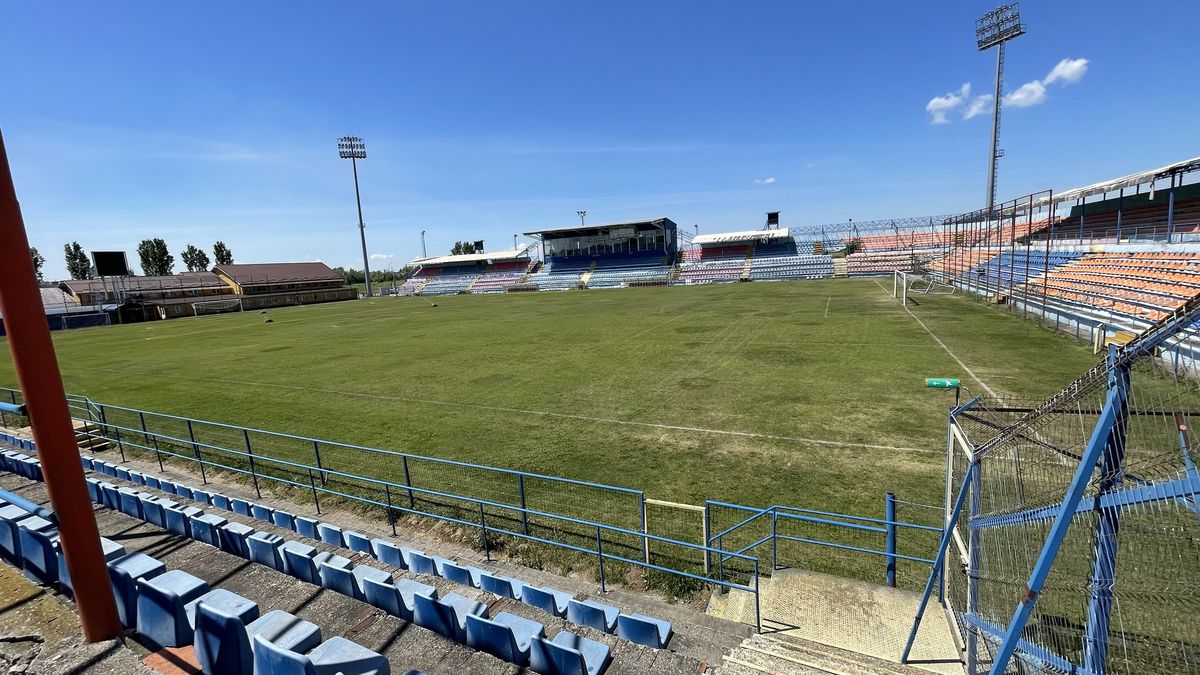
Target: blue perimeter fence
(606,522)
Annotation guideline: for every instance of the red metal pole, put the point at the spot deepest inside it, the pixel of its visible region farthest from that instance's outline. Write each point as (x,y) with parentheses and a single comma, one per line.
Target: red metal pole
(41,385)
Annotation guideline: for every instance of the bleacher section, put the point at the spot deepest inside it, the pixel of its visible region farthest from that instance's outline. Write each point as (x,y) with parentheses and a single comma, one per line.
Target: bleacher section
(884,262)
(448,283)
(715,264)
(1141,219)
(1014,267)
(499,277)
(1144,286)
(617,271)
(779,260)
(960,261)
(174,608)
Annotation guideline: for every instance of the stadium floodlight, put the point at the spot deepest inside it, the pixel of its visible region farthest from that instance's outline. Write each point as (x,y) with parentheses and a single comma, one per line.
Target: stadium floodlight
(353,148)
(992,30)
(582,215)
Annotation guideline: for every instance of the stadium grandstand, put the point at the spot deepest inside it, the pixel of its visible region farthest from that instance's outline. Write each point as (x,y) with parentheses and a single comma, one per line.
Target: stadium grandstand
(755,255)
(262,285)
(63,312)
(133,299)
(610,255)
(480,273)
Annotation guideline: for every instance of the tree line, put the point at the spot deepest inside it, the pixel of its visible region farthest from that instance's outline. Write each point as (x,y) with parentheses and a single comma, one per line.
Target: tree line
(156,260)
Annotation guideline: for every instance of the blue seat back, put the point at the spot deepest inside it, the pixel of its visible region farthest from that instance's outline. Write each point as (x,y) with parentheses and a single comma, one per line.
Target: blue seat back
(587,615)
(642,631)
(488,636)
(269,658)
(435,615)
(385,596)
(421,563)
(550,659)
(338,579)
(543,600)
(221,642)
(498,585)
(456,573)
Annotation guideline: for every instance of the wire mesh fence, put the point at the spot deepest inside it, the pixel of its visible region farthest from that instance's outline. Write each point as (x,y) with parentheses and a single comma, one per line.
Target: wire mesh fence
(1078,549)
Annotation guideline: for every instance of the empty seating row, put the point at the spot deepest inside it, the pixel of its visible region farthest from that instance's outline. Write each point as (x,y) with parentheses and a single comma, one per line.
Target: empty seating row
(407,599)
(782,267)
(172,608)
(447,284)
(546,280)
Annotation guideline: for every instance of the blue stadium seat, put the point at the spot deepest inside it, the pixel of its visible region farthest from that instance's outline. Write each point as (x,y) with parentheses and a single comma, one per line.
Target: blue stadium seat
(644,630)
(568,654)
(239,506)
(456,573)
(202,496)
(226,602)
(223,642)
(357,542)
(331,534)
(306,527)
(221,501)
(505,587)
(166,486)
(264,549)
(111,549)
(339,578)
(396,598)
(152,482)
(39,539)
(125,573)
(183,491)
(388,553)
(591,613)
(161,616)
(446,616)
(506,636)
(362,573)
(137,477)
(547,599)
(406,553)
(128,502)
(303,561)
(233,539)
(205,527)
(335,655)
(10,534)
(420,563)
(121,472)
(261,512)
(283,519)
(179,518)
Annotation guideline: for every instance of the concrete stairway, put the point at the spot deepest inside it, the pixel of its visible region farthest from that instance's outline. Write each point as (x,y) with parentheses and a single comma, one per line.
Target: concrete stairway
(747,264)
(782,655)
(86,437)
(587,276)
(839,267)
(833,624)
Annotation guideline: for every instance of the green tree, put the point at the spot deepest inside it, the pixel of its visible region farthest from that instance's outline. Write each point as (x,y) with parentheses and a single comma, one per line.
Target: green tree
(221,254)
(78,265)
(462,248)
(38,261)
(195,259)
(156,260)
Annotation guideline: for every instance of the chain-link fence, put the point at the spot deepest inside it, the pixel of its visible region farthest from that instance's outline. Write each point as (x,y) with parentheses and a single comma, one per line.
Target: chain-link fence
(1077,546)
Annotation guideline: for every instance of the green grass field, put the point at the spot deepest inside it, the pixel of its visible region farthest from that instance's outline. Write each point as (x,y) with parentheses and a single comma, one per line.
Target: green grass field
(750,393)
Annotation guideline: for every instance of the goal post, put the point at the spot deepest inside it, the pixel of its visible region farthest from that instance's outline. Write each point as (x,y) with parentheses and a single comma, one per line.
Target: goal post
(216,306)
(900,286)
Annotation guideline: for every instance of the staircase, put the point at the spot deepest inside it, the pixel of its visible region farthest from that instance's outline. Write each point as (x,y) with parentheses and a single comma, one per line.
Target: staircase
(747,264)
(839,267)
(86,437)
(587,276)
(779,654)
(820,623)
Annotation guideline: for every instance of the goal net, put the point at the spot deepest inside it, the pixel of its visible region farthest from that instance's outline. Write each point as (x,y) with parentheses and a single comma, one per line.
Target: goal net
(216,306)
(905,283)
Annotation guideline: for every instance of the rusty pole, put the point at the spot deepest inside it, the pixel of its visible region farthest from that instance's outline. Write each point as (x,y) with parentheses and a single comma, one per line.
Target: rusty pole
(41,385)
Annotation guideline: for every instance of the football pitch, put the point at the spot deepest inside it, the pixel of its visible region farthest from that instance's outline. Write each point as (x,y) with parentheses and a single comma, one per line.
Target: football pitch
(801,393)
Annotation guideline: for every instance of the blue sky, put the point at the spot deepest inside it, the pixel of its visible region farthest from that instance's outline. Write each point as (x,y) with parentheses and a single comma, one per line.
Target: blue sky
(218,120)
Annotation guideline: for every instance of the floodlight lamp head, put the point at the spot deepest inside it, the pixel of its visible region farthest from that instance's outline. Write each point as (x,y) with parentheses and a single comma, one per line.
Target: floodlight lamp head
(352,147)
(999,25)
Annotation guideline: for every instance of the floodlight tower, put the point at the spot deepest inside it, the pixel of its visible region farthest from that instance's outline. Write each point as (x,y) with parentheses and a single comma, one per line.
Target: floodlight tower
(353,149)
(582,215)
(992,30)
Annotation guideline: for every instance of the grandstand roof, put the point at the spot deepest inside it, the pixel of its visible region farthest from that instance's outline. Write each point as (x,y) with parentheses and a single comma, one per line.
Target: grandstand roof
(182,280)
(748,235)
(1131,180)
(498,256)
(580,229)
(277,272)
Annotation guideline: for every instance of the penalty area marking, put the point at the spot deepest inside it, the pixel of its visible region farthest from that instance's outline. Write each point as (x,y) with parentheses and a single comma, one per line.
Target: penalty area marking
(827,299)
(546,413)
(941,344)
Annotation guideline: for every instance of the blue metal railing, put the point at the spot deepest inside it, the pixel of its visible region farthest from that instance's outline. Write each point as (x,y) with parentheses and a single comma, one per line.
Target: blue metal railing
(888,527)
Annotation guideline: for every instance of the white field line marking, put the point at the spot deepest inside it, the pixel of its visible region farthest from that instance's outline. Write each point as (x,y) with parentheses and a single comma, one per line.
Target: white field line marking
(545,413)
(659,325)
(941,344)
(827,299)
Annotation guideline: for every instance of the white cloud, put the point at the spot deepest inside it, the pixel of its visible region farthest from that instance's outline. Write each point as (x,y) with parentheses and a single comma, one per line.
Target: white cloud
(1068,71)
(939,106)
(769,180)
(382,256)
(1028,94)
(978,106)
